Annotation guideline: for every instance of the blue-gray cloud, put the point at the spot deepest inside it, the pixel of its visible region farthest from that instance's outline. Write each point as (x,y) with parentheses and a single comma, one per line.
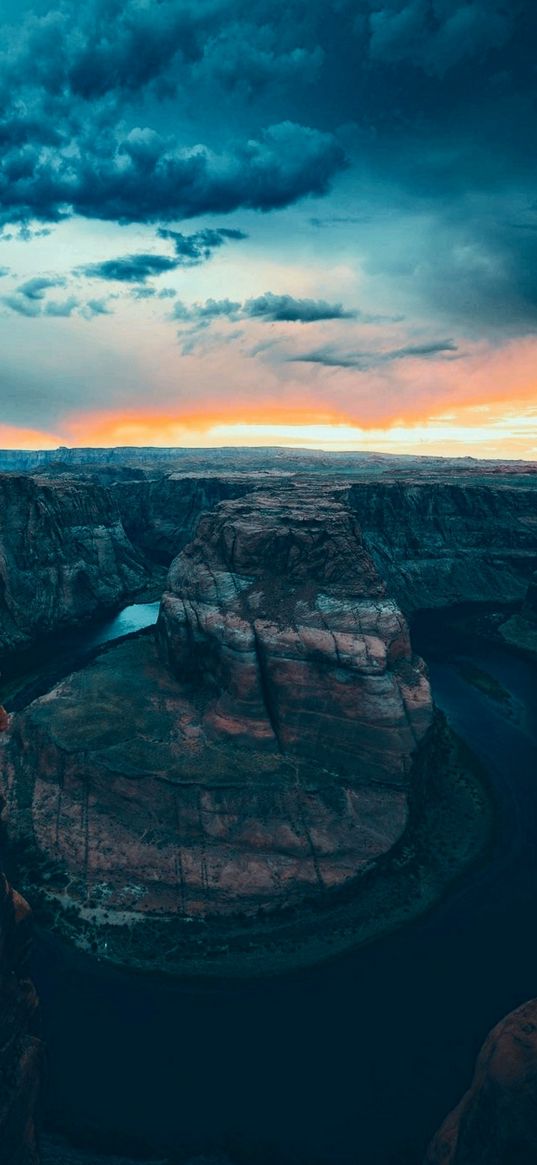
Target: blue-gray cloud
(130,268)
(437,35)
(35,288)
(191,250)
(333,357)
(143,176)
(285,308)
(268,308)
(198,107)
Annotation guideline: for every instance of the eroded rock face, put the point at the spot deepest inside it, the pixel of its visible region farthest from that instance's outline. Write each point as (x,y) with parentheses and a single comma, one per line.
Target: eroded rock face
(64,556)
(520,630)
(20,1049)
(160,515)
(278,612)
(496,1121)
(438,543)
(264,756)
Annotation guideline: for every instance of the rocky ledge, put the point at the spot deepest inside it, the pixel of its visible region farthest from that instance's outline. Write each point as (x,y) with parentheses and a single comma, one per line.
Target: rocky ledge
(263,755)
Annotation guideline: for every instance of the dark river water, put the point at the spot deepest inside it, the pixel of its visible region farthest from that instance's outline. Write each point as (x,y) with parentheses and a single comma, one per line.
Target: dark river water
(355,1061)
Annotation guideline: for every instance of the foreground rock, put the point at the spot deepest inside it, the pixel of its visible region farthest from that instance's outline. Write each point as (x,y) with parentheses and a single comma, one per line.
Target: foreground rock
(496,1122)
(64,557)
(20,1049)
(264,757)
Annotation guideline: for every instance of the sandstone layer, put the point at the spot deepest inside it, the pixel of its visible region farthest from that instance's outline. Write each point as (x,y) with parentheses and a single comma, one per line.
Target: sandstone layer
(496,1121)
(64,557)
(264,756)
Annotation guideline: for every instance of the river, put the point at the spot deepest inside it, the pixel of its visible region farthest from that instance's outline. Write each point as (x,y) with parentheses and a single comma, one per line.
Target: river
(355,1062)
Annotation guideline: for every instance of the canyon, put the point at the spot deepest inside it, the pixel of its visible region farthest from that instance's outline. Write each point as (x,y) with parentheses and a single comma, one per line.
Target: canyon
(261,754)
(64,557)
(217,789)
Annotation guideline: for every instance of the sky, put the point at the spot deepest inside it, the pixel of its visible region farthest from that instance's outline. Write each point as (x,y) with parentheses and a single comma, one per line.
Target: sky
(248,223)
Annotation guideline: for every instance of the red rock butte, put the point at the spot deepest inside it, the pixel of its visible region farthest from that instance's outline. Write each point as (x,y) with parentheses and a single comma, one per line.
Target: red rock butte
(258,751)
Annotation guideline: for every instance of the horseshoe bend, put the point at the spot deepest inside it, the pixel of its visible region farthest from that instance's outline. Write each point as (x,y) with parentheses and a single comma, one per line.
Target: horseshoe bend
(261,783)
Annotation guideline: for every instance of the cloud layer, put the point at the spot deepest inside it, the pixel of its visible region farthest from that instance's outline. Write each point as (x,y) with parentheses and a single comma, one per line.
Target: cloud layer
(164,162)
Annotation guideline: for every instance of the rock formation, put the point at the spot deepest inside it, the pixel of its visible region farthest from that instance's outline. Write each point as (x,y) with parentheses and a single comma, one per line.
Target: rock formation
(496,1121)
(160,515)
(437,543)
(277,611)
(520,631)
(269,760)
(64,557)
(71,548)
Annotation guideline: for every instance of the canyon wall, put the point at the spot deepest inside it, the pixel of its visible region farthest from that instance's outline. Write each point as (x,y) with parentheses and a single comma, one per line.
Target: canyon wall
(64,557)
(437,543)
(160,514)
(73,548)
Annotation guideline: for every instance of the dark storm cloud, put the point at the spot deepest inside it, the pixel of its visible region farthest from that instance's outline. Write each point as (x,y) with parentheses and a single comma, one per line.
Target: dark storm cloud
(269,308)
(161,110)
(130,268)
(143,177)
(191,250)
(332,357)
(437,35)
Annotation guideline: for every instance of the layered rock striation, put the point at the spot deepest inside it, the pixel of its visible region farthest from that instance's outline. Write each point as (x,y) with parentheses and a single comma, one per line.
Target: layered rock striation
(439,543)
(64,557)
(277,612)
(264,754)
(160,514)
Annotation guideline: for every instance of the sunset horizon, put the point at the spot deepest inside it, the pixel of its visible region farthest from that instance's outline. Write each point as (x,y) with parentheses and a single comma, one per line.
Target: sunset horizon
(232,224)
